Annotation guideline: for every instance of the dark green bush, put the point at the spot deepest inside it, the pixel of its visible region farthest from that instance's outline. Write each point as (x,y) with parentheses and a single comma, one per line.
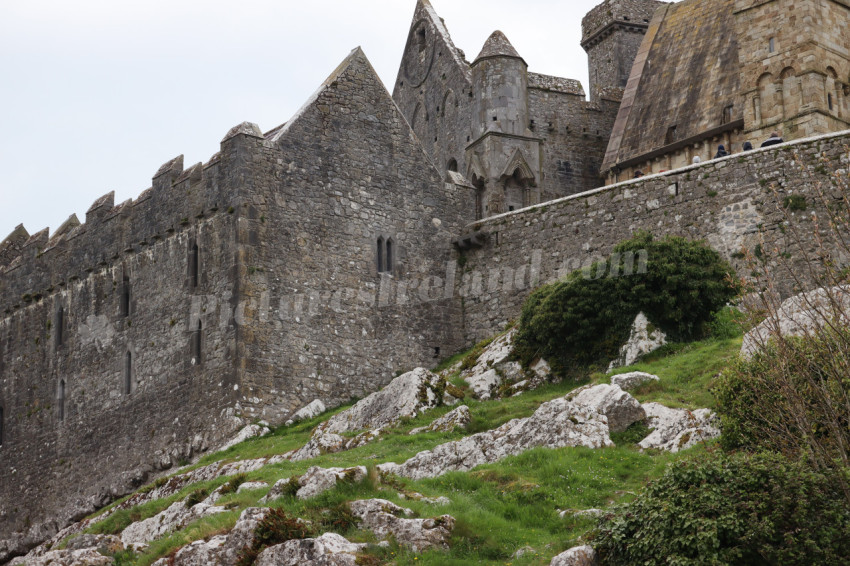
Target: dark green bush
(585,318)
(738,510)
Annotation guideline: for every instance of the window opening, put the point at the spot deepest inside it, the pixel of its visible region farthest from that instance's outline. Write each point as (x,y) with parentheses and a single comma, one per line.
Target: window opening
(61,400)
(194,265)
(671,135)
(726,117)
(771,45)
(125,296)
(128,373)
(420,39)
(196,344)
(829,100)
(60,326)
(389,265)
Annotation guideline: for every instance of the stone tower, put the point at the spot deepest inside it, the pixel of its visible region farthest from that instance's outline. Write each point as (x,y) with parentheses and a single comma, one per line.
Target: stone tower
(611,34)
(794,66)
(504,155)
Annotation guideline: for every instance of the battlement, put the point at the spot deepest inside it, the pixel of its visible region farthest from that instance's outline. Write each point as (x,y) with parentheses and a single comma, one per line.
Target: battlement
(33,265)
(602,20)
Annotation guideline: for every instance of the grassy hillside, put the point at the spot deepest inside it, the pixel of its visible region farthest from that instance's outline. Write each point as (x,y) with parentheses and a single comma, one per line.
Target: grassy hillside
(500,508)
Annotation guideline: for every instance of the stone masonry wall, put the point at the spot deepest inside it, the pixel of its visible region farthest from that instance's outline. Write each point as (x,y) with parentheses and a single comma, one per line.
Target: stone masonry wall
(729,202)
(322,320)
(94,388)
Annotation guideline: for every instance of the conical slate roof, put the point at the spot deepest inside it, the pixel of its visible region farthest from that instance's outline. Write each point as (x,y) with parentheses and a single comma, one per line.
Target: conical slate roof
(497,45)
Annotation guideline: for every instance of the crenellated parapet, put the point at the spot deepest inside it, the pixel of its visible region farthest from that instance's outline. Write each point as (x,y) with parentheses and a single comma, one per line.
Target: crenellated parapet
(34,265)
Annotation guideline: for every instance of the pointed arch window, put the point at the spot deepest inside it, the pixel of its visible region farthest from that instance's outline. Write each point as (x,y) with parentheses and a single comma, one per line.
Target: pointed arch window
(60,399)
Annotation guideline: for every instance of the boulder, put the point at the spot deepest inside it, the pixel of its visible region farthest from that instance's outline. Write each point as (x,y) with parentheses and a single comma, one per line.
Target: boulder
(621,408)
(405,397)
(385,518)
(555,424)
(250,431)
(643,339)
(222,549)
(678,429)
(541,369)
(311,411)
(457,418)
(251,485)
(632,380)
(84,557)
(577,556)
(483,377)
(801,315)
(318,480)
(330,549)
(483,384)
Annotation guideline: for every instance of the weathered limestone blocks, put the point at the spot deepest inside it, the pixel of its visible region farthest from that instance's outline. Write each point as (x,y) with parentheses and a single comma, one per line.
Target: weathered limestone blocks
(330,549)
(577,556)
(385,518)
(621,409)
(632,380)
(177,516)
(678,429)
(801,315)
(555,424)
(456,418)
(643,339)
(314,409)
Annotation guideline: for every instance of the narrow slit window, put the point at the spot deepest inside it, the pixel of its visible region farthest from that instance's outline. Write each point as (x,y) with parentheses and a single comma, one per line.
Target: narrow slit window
(380,259)
(196,344)
(60,400)
(829,100)
(125,296)
(389,266)
(671,135)
(420,40)
(60,326)
(194,266)
(128,373)
(771,45)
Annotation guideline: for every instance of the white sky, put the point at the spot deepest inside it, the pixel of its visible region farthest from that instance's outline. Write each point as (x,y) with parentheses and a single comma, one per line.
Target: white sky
(96,94)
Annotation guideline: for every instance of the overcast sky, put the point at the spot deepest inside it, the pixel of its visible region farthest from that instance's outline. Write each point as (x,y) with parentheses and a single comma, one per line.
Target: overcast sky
(97,94)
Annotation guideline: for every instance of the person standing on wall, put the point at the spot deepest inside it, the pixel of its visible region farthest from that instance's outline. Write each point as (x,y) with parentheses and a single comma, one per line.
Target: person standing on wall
(772,140)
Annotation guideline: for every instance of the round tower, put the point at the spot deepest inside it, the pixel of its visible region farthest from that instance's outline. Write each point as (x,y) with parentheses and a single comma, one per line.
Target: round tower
(500,83)
(611,35)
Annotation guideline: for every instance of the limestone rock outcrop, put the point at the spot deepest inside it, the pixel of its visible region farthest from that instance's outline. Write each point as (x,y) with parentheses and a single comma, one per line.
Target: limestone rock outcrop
(621,409)
(222,549)
(456,418)
(555,424)
(632,380)
(643,339)
(405,397)
(177,516)
(311,411)
(330,549)
(577,556)
(801,315)
(385,518)
(315,481)
(250,431)
(678,429)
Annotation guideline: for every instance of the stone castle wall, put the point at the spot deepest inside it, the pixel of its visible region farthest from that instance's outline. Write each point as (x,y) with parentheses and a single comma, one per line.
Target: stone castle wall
(97,350)
(728,202)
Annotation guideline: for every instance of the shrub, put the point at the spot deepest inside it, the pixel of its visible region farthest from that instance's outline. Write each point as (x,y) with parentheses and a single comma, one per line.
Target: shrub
(585,317)
(742,510)
(791,397)
(232,485)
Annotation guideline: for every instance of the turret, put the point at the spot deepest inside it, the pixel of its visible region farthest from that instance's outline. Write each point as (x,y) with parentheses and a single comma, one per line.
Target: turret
(500,82)
(611,35)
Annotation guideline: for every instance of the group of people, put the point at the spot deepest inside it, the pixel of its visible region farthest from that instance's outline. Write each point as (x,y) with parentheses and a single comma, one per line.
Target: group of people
(774,139)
